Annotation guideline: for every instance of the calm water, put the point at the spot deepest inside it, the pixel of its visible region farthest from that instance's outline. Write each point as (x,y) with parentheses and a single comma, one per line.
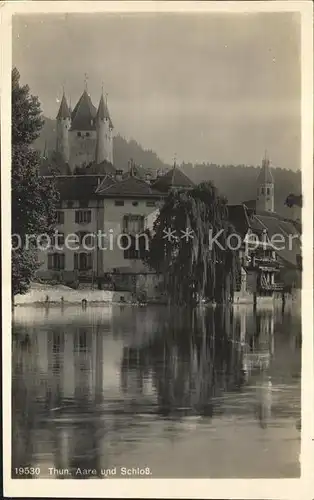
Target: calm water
(215,394)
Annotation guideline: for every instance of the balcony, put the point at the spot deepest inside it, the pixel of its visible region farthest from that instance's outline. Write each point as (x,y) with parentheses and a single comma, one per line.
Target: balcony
(263,262)
(273,287)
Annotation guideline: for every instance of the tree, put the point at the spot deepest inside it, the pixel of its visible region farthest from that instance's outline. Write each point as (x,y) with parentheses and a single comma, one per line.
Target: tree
(192,264)
(34,197)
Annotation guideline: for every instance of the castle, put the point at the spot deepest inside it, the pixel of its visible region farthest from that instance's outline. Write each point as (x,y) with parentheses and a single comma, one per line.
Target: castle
(94,197)
(84,135)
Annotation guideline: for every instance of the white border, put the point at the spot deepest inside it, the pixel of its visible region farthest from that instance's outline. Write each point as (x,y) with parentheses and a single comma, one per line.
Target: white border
(284,489)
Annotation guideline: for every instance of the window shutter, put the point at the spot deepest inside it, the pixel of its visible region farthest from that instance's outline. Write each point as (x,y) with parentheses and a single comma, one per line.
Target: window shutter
(62,266)
(124,223)
(89,216)
(75,261)
(89,261)
(50,261)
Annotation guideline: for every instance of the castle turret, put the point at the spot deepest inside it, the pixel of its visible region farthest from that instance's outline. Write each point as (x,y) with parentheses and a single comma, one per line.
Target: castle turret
(63,126)
(104,127)
(265,188)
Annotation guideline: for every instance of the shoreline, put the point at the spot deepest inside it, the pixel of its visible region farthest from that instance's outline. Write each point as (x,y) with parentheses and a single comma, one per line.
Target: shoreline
(54,296)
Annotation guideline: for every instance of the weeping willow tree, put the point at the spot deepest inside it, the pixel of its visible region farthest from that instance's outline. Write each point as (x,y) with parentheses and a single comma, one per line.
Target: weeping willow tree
(184,250)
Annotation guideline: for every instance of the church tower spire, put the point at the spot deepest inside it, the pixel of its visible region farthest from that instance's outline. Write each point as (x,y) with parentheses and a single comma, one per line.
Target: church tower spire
(265,187)
(63,126)
(104,127)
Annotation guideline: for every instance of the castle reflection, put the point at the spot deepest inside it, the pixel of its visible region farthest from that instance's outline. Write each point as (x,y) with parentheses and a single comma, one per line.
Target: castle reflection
(84,386)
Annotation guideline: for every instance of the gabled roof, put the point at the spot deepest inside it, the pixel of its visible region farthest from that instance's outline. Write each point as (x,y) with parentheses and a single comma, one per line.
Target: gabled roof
(130,187)
(77,187)
(64,111)
(289,248)
(106,182)
(84,113)
(175,178)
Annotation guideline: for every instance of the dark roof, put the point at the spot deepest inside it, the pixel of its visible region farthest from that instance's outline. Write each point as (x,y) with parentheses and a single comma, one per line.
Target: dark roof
(250,204)
(131,186)
(265,175)
(238,217)
(287,250)
(64,111)
(174,178)
(103,112)
(77,187)
(84,113)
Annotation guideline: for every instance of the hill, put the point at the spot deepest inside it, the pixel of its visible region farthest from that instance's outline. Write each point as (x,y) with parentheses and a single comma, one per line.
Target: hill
(236,182)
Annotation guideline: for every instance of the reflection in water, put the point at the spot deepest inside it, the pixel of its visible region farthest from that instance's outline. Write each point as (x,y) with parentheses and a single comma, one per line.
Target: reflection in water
(130,387)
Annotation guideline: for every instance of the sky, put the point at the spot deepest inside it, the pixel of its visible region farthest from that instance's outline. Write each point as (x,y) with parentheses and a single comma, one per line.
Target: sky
(209,87)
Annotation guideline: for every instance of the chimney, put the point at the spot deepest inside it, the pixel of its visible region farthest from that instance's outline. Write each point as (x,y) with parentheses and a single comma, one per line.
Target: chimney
(148,177)
(119,174)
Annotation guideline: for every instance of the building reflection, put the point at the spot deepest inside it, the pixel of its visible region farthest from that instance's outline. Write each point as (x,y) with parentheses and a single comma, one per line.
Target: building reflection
(85,384)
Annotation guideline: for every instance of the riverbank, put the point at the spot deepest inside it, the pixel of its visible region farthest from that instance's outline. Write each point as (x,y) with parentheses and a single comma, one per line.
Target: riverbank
(41,294)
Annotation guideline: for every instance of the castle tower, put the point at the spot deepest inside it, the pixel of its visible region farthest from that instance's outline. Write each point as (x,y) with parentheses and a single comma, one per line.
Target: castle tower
(104,128)
(82,134)
(63,126)
(265,188)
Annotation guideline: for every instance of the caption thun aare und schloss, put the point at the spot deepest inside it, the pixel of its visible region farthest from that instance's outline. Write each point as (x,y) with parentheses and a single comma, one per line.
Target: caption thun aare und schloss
(110,472)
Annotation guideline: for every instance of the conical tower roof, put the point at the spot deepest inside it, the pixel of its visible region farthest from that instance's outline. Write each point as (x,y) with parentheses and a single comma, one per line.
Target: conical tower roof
(103,112)
(64,111)
(84,113)
(265,175)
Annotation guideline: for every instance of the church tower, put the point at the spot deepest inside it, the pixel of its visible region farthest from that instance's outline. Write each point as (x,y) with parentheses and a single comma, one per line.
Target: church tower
(265,188)
(63,127)
(104,128)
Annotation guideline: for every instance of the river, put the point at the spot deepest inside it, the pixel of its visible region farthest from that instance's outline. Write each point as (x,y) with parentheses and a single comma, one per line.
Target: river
(156,391)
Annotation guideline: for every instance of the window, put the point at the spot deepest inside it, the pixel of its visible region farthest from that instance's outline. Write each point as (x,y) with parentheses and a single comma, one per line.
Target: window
(133,224)
(83,261)
(150,203)
(79,134)
(119,203)
(268,191)
(137,248)
(262,191)
(84,238)
(59,239)
(70,204)
(87,134)
(56,261)
(83,216)
(60,217)
(135,203)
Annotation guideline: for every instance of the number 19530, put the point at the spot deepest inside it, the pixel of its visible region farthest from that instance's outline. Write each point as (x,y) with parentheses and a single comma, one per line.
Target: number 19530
(27,471)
